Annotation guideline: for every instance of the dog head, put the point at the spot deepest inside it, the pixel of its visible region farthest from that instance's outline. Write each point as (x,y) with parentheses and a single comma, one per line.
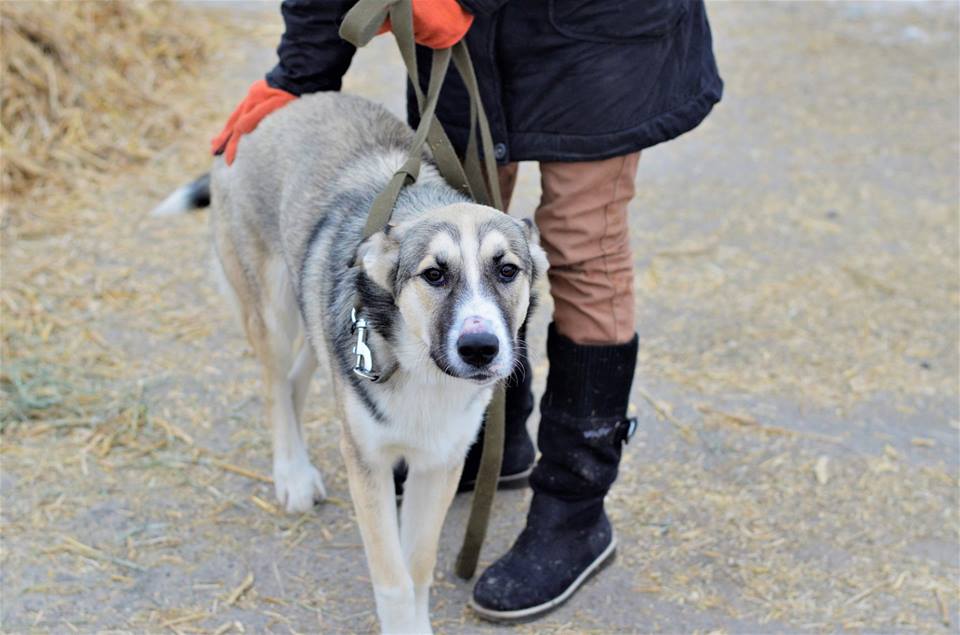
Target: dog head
(462,279)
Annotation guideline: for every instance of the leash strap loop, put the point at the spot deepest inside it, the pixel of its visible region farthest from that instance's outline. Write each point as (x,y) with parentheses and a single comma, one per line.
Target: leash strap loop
(382,207)
(461,59)
(359,26)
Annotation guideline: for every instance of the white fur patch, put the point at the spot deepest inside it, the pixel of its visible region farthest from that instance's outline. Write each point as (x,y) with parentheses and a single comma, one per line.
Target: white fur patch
(429,433)
(179,202)
(280,312)
(397,612)
(477,304)
(226,289)
(297,484)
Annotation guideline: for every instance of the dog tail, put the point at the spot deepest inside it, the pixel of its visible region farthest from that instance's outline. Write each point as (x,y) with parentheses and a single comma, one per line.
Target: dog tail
(193,196)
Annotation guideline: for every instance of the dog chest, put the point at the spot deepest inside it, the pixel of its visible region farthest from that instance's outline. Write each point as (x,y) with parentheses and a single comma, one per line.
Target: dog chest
(427,424)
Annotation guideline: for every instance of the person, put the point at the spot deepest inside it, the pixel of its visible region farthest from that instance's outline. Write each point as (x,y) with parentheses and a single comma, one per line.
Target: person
(580,87)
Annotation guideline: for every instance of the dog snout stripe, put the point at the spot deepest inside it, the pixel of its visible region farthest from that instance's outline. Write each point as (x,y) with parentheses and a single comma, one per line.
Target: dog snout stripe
(475,324)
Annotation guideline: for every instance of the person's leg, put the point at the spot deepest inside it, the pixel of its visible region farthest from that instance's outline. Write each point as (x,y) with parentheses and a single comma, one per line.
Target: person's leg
(592,349)
(583,228)
(508,181)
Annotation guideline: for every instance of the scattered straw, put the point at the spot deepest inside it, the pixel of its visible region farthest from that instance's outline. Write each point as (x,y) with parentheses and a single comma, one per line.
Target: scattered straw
(821,470)
(748,421)
(859,597)
(238,592)
(665,411)
(223,628)
(183,620)
(72,545)
(942,605)
(242,471)
(270,508)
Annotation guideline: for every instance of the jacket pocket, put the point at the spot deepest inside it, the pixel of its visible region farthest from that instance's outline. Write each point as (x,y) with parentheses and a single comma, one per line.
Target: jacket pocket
(616,20)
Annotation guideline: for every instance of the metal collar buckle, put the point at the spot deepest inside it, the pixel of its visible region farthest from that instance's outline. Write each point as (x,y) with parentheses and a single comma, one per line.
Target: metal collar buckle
(629,429)
(364,362)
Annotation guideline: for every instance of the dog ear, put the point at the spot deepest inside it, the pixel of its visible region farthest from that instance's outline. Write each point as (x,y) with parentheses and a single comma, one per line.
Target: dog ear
(378,256)
(536,251)
(539,257)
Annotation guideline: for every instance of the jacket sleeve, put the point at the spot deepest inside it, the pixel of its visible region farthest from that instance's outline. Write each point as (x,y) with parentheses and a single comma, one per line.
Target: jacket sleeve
(312,55)
(482,7)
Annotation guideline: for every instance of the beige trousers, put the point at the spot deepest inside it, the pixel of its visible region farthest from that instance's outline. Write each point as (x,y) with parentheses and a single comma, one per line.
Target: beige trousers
(582,218)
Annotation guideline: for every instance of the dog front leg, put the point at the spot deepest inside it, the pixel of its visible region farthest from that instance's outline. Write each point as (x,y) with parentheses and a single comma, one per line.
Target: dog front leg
(300,375)
(297,482)
(427,497)
(374,501)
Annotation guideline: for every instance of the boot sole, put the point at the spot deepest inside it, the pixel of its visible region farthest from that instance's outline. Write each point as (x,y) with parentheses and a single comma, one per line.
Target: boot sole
(506,481)
(534,612)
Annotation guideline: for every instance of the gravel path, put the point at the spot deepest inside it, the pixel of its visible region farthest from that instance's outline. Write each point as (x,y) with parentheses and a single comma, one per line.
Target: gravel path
(796,464)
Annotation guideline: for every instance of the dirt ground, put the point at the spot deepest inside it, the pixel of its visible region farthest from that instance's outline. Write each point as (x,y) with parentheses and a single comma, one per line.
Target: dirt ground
(797,390)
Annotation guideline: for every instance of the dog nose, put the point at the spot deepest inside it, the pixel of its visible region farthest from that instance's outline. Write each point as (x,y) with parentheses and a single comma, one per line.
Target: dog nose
(478,349)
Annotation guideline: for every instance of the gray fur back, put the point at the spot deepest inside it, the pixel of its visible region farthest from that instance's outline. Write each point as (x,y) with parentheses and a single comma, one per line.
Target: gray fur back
(297,155)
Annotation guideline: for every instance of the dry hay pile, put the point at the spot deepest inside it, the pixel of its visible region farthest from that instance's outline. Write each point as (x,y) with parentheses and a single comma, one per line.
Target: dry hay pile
(88,87)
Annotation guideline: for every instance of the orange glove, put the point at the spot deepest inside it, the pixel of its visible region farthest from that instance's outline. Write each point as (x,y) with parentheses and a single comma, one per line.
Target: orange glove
(261,100)
(438,24)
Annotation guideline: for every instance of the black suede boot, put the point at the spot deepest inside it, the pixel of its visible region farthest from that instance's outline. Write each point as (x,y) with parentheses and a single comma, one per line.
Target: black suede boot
(568,536)
(518,450)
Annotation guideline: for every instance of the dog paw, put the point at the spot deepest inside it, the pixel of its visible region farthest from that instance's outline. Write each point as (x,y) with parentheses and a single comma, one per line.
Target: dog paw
(298,486)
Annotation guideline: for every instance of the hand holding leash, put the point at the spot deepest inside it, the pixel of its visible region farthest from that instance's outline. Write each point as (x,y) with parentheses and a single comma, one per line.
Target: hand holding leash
(437,24)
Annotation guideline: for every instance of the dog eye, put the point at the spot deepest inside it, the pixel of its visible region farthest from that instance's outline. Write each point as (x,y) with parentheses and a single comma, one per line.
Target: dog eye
(508,272)
(433,276)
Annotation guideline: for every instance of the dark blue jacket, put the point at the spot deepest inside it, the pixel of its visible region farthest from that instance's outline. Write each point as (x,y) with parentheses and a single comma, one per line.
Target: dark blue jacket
(562,80)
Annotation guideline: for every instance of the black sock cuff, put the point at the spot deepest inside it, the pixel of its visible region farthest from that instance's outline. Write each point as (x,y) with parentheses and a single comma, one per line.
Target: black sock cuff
(586,380)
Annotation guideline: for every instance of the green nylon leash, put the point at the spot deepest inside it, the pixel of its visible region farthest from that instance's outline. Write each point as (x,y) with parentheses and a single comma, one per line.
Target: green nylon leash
(360,25)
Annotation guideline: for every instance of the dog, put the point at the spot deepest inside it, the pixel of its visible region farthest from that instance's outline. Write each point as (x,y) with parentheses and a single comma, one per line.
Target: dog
(417,323)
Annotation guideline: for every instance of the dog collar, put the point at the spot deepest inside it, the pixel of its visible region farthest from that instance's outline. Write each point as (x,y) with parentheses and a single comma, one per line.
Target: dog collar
(363,364)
